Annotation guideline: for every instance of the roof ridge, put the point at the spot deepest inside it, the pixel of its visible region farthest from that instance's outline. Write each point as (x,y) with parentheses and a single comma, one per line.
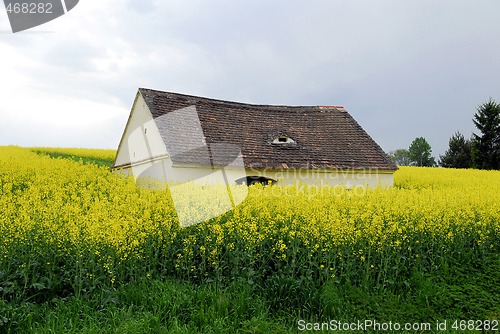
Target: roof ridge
(237,103)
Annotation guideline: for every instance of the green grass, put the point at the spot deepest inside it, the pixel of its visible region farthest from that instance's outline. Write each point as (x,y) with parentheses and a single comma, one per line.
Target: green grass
(463,286)
(54,153)
(174,306)
(151,306)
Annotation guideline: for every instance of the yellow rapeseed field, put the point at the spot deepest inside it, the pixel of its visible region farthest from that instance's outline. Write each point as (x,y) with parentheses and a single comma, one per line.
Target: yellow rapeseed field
(79,223)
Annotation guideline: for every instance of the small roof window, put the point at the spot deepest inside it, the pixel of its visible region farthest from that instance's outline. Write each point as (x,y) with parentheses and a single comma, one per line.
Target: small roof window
(283,140)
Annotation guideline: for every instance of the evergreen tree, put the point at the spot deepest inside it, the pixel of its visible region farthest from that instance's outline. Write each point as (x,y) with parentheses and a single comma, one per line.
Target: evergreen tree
(486,145)
(458,154)
(420,153)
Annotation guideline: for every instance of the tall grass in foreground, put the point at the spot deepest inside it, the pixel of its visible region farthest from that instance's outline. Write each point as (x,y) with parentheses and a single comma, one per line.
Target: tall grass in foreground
(73,229)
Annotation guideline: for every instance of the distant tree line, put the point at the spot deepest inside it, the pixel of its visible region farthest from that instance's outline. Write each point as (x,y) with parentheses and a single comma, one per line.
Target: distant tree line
(418,154)
(481,151)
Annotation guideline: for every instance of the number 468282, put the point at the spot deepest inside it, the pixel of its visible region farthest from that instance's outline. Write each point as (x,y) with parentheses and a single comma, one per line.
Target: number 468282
(475,325)
(29,8)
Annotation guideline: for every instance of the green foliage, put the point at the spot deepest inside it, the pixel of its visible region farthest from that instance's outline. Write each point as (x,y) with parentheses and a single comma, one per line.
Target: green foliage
(86,159)
(177,284)
(458,154)
(400,157)
(486,145)
(469,291)
(420,153)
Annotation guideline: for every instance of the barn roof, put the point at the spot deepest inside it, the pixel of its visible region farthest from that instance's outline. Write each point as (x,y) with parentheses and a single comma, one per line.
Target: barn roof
(313,137)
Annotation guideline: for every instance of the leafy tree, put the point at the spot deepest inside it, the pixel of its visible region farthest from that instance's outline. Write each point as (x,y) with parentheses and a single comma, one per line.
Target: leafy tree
(420,153)
(400,157)
(486,145)
(458,154)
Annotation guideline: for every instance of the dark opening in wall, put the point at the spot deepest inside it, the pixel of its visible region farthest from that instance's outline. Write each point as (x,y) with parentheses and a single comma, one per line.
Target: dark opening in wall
(250,180)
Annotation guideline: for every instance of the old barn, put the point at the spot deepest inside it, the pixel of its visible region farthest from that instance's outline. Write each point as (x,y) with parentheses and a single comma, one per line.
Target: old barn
(178,138)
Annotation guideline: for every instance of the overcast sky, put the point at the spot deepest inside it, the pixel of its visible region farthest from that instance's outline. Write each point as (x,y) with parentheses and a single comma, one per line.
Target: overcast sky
(403,69)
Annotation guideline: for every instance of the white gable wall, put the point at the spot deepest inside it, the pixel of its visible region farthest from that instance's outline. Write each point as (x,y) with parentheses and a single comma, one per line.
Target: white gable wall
(141,140)
(143,154)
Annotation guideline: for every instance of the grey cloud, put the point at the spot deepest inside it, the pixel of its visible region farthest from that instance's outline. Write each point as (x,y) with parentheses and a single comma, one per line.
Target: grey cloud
(402,68)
